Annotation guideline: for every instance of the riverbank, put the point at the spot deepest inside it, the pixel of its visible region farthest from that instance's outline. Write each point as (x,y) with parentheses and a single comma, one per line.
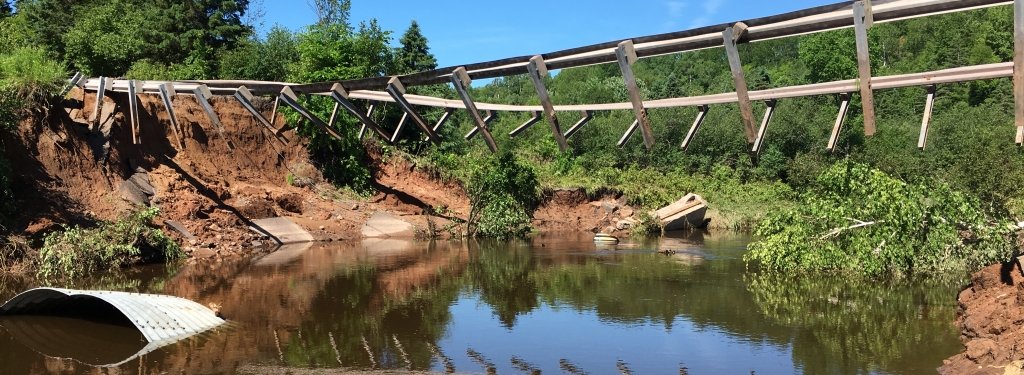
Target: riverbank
(989,317)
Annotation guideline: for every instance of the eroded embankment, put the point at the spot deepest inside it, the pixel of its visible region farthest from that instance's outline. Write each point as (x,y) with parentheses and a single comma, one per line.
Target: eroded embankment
(991,321)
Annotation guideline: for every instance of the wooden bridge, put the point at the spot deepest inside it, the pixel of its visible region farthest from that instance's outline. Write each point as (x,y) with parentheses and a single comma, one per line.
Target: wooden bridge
(860,15)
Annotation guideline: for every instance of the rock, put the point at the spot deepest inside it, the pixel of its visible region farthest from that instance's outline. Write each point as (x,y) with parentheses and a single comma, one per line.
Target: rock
(214,227)
(978,350)
(325,216)
(623,224)
(203,253)
(609,207)
(384,225)
(219,237)
(355,207)
(626,211)
(322,227)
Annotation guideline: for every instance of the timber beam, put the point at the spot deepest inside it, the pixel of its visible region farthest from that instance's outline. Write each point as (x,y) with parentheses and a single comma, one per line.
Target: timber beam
(166,96)
(203,96)
(398,129)
(844,108)
(397,92)
(1018,69)
(369,114)
(537,116)
(290,99)
(491,116)
(867,98)
(763,130)
(587,116)
(443,119)
(461,81)
(101,93)
(926,119)
(133,110)
(731,36)
(244,96)
(629,133)
(626,55)
(702,114)
(341,97)
(538,69)
(76,80)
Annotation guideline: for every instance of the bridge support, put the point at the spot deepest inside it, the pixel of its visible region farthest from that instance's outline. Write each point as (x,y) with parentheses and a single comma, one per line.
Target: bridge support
(341,98)
(101,93)
(461,81)
(844,108)
(731,35)
(397,92)
(526,125)
(1018,69)
(625,53)
(922,140)
(76,80)
(629,133)
(290,99)
(244,96)
(761,131)
(369,114)
(166,94)
(203,96)
(398,129)
(442,120)
(491,116)
(867,98)
(702,114)
(587,116)
(538,69)
(133,110)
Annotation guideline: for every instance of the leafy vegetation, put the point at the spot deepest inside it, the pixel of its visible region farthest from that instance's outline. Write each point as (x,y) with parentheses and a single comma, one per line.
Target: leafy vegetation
(502,194)
(856,218)
(78,251)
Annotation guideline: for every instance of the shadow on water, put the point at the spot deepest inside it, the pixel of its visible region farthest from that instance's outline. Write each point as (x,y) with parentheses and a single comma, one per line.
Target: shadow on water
(547,304)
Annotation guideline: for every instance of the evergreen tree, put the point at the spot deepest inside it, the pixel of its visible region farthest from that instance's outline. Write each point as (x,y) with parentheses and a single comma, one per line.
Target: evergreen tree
(414,54)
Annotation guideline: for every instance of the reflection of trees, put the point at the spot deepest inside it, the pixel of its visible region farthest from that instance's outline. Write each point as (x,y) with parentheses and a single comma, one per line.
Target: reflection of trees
(847,326)
(502,274)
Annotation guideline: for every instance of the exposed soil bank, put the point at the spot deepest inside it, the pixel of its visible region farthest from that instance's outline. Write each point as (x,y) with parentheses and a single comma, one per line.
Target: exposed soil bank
(70,170)
(991,321)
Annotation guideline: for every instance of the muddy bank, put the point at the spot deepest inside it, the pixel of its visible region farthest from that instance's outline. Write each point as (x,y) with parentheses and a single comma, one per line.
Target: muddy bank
(991,321)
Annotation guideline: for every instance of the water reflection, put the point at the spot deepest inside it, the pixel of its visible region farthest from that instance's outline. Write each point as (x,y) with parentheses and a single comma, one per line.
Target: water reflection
(554,303)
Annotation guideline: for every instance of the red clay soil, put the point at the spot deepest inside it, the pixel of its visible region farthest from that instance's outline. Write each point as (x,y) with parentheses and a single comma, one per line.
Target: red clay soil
(68,172)
(991,321)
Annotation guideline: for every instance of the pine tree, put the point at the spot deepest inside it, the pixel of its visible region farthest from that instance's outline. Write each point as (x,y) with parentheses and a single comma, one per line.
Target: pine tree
(414,54)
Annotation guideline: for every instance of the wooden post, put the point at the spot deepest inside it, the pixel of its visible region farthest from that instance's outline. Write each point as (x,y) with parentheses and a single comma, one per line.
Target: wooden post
(629,133)
(701,115)
(341,97)
(761,131)
(1018,69)
(398,129)
(533,120)
(273,114)
(165,94)
(867,97)
(922,140)
(444,118)
(461,81)
(133,109)
(101,93)
(587,116)
(397,91)
(369,114)
(290,99)
(844,108)
(731,35)
(538,70)
(76,80)
(491,115)
(203,95)
(244,96)
(626,55)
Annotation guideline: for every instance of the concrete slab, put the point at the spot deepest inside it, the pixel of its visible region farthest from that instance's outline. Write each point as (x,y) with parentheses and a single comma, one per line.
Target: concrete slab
(283,229)
(385,225)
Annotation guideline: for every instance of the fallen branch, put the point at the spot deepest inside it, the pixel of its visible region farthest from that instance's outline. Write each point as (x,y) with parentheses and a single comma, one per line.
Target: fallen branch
(860,224)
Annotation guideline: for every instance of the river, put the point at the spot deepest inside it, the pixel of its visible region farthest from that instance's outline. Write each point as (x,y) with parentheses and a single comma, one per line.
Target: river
(553,304)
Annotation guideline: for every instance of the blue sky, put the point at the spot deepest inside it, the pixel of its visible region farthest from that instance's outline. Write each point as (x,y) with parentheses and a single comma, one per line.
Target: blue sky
(462,32)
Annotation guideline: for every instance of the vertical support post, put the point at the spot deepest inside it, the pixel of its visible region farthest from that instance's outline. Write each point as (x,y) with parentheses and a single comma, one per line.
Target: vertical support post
(461,81)
(587,116)
(273,113)
(334,115)
(629,133)
(290,99)
(203,96)
(692,133)
(491,115)
(731,35)
(538,70)
(340,96)
(867,97)
(761,131)
(397,91)
(922,140)
(398,129)
(133,109)
(626,55)
(101,93)
(844,108)
(1018,69)
(244,96)
(533,120)
(165,94)
(369,114)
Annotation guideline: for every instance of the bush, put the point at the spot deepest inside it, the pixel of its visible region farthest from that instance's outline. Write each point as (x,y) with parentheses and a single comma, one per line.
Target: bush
(859,219)
(503,195)
(78,251)
(29,81)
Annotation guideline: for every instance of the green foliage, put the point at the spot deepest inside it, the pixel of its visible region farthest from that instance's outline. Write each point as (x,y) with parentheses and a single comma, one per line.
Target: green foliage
(107,38)
(265,60)
(76,251)
(861,220)
(414,53)
(503,194)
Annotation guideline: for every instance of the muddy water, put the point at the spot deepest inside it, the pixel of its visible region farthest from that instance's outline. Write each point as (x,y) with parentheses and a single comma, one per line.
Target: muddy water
(554,304)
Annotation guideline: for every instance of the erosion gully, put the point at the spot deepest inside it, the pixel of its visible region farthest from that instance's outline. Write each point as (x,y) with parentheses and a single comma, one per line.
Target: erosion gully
(553,304)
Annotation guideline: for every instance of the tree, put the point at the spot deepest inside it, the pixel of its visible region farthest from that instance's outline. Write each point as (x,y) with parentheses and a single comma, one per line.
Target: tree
(414,54)
(5,9)
(331,12)
(264,60)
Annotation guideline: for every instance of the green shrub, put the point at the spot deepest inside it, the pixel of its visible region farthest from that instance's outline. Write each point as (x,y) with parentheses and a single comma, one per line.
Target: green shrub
(29,81)
(77,251)
(859,219)
(503,194)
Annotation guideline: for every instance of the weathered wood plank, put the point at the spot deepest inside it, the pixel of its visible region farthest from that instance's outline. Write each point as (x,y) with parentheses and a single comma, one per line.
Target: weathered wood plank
(397,92)
(101,93)
(203,95)
(702,114)
(444,118)
(1018,69)
(491,115)
(369,114)
(133,110)
(341,97)
(526,125)
(461,81)
(629,133)
(626,55)
(730,36)
(844,109)
(165,95)
(926,119)
(538,69)
(273,114)
(763,130)
(867,97)
(290,99)
(398,129)
(244,96)
(587,116)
